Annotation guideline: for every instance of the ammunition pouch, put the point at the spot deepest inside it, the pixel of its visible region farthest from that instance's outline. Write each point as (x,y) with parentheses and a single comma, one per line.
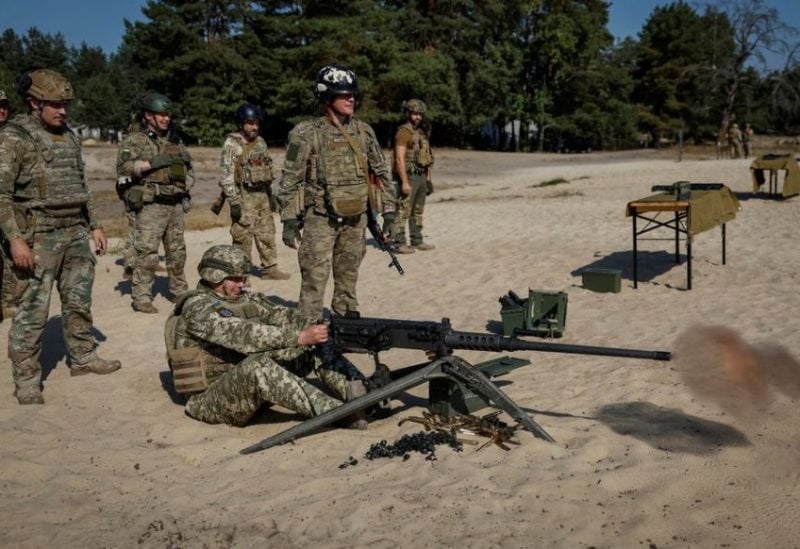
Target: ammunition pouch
(177,172)
(348,207)
(134,199)
(188,368)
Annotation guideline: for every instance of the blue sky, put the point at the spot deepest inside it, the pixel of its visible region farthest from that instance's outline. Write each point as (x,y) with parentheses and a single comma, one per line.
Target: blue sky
(100,22)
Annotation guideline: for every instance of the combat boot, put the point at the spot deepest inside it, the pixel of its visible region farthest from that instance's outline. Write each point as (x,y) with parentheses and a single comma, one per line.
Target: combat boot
(29,395)
(93,364)
(273,273)
(358,420)
(404,249)
(145,307)
(423,247)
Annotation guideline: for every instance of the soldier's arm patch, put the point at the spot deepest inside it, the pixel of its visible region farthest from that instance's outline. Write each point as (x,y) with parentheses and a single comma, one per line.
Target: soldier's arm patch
(292,152)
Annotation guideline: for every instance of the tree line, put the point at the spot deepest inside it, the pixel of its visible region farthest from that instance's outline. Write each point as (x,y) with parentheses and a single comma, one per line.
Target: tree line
(550,65)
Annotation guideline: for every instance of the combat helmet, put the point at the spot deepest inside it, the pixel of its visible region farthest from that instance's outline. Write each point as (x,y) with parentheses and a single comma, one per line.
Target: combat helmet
(414,105)
(45,85)
(155,102)
(247,111)
(4,98)
(222,261)
(333,80)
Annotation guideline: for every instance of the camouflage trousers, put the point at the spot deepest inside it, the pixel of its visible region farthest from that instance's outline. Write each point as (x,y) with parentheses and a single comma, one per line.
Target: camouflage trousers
(261,379)
(63,257)
(154,224)
(256,225)
(409,211)
(9,289)
(327,245)
(128,249)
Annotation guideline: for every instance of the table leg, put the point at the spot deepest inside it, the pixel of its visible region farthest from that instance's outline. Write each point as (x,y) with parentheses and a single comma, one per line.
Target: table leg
(723,243)
(689,248)
(677,240)
(635,263)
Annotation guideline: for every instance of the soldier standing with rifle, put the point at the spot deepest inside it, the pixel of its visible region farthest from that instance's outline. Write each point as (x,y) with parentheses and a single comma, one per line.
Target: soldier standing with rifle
(47,220)
(247,185)
(325,189)
(160,170)
(413,162)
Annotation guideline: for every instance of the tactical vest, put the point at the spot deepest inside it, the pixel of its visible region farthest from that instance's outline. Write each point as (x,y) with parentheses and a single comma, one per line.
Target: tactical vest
(55,183)
(340,174)
(196,366)
(170,179)
(418,153)
(254,167)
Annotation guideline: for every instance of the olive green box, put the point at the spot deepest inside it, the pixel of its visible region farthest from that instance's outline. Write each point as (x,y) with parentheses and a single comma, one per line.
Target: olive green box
(448,397)
(602,280)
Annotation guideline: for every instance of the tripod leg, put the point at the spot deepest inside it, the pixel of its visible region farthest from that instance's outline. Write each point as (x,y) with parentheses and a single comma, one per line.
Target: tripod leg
(473,378)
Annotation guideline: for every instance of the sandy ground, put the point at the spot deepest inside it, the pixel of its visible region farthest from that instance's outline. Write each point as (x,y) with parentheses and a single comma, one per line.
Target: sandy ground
(698,452)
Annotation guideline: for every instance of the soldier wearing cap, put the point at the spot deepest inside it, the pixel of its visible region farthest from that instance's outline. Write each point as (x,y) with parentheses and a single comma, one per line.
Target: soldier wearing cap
(247,186)
(47,219)
(326,188)
(232,351)
(159,169)
(413,163)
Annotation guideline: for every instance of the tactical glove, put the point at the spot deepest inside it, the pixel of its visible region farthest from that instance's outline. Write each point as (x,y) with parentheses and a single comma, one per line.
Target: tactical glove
(428,187)
(291,232)
(160,161)
(186,203)
(236,212)
(388,222)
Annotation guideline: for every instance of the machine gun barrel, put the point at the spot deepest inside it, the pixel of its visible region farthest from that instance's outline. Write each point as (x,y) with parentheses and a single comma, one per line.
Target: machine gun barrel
(489,342)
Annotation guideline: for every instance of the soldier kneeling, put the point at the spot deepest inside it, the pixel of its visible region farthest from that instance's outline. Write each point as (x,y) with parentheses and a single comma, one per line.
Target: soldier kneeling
(233,351)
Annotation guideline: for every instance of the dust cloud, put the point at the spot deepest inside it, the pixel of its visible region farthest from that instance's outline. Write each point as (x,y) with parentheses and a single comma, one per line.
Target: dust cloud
(718,365)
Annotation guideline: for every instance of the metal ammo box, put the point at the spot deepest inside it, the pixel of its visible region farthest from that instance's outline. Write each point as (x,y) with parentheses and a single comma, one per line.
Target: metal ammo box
(602,280)
(542,314)
(447,397)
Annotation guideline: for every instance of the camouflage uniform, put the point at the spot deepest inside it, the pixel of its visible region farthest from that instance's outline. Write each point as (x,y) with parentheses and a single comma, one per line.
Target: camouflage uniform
(158,198)
(44,199)
(250,356)
(324,182)
(419,160)
(246,179)
(735,141)
(8,283)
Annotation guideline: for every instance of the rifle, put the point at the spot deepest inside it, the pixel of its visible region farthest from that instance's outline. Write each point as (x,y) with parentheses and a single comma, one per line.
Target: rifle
(216,207)
(353,334)
(380,240)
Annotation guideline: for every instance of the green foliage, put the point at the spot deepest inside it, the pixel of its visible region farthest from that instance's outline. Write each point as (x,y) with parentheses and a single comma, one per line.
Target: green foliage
(478,64)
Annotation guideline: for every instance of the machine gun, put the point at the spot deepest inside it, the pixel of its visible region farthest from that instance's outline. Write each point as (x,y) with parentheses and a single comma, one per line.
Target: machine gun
(353,334)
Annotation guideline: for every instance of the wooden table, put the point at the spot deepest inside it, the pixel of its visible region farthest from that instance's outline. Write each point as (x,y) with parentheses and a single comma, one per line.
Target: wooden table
(701,211)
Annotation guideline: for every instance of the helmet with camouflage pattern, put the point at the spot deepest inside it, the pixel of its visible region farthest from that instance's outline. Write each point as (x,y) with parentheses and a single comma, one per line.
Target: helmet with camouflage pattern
(4,97)
(155,102)
(223,261)
(414,105)
(45,85)
(333,80)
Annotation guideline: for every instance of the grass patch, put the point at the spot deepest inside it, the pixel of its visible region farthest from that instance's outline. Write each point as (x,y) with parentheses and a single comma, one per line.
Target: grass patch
(564,194)
(549,182)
